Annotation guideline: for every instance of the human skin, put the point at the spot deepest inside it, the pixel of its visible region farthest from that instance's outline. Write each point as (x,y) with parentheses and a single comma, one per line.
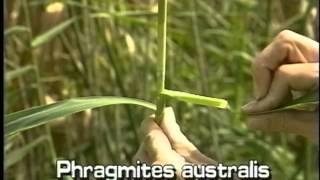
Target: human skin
(164,143)
(289,62)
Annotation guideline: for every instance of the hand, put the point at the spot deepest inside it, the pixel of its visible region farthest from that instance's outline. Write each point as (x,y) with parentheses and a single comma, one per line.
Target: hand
(289,63)
(165,144)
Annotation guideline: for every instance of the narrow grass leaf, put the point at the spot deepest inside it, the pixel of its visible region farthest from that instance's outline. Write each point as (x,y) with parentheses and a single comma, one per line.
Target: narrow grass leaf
(162,48)
(197,99)
(18,72)
(50,34)
(307,102)
(53,32)
(18,154)
(29,118)
(16,29)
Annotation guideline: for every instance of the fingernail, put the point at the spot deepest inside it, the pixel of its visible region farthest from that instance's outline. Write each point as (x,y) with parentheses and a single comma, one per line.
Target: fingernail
(248,107)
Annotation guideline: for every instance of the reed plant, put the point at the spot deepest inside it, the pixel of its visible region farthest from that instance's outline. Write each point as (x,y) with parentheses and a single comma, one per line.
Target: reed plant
(104,53)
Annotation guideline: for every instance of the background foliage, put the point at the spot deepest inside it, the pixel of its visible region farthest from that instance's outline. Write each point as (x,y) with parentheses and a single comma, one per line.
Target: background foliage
(109,48)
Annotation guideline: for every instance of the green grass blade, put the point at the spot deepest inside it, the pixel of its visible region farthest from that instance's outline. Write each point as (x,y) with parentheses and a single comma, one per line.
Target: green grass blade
(36,116)
(304,103)
(162,47)
(48,35)
(16,29)
(197,99)
(18,154)
(18,72)
(307,102)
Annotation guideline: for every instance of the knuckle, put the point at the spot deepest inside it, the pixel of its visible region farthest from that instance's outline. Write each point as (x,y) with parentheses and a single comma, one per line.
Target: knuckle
(283,71)
(284,40)
(284,35)
(257,64)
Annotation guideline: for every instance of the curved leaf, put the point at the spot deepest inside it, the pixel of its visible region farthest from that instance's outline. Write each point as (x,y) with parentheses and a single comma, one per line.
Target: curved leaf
(48,35)
(18,72)
(29,118)
(16,29)
(51,33)
(307,102)
(17,155)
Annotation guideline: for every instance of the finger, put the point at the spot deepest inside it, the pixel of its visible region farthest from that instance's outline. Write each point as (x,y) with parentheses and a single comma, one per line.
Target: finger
(157,144)
(147,126)
(291,121)
(288,47)
(157,147)
(179,142)
(159,153)
(153,136)
(300,77)
(279,91)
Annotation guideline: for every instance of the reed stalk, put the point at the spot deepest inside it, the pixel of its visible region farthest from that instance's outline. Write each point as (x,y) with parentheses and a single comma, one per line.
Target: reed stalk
(162,35)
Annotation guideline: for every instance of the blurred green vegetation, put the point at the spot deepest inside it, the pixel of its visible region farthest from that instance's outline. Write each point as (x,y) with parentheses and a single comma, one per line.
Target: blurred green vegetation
(109,47)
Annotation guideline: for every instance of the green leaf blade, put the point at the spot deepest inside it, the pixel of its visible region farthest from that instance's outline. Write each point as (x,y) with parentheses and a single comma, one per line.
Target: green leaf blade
(308,102)
(18,72)
(29,118)
(17,155)
(197,99)
(50,34)
(16,29)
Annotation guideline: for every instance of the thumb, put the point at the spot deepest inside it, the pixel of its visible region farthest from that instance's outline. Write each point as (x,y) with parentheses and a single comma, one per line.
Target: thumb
(179,141)
(290,121)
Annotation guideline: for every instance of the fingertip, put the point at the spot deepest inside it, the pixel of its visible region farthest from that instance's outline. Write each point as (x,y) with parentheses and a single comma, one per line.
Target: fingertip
(169,118)
(169,113)
(249,107)
(168,109)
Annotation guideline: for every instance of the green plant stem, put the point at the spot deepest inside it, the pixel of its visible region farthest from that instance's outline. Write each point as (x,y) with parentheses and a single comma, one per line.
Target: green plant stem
(205,89)
(38,82)
(162,34)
